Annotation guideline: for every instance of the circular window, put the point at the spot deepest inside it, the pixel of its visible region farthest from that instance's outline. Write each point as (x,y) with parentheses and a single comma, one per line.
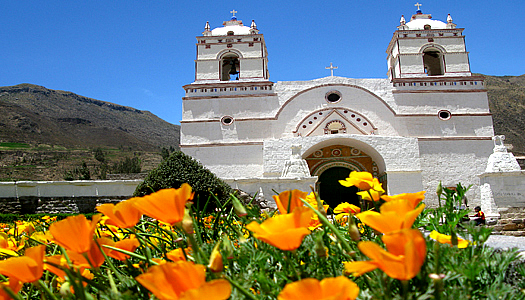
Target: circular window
(444,114)
(227,120)
(333,96)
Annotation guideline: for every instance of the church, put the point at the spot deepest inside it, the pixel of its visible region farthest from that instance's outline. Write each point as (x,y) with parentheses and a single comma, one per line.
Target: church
(429,121)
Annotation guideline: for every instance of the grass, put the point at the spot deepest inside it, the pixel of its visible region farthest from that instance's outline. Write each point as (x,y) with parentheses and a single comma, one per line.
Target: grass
(15,145)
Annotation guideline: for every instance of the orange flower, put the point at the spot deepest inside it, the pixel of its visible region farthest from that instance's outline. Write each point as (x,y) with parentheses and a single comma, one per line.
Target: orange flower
(395,215)
(130,245)
(285,232)
(26,268)
(413,198)
(447,239)
(74,233)
(403,260)
(13,284)
(176,255)
(95,256)
(334,288)
(288,200)
(165,205)
(183,280)
(123,215)
(215,264)
(362,180)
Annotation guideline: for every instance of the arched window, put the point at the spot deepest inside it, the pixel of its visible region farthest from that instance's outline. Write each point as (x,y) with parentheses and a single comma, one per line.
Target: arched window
(230,67)
(433,62)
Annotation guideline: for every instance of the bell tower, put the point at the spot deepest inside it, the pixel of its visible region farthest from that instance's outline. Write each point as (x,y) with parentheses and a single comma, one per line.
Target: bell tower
(233,52)
(427,48)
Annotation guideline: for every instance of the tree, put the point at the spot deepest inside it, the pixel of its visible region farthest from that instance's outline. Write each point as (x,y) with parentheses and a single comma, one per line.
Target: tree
(180,168)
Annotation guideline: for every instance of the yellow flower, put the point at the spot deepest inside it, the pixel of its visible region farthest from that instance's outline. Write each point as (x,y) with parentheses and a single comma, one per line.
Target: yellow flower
(413,198)
(287,201)
(215,264)
(183,280)
(376,194)
(447,239)
(362,180)
(395,215)
(166,205)
(403,260)
(334,288)
(285,232)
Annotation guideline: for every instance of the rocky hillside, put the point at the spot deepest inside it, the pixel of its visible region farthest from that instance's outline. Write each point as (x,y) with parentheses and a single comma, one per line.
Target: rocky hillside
(36,115)
(507,104)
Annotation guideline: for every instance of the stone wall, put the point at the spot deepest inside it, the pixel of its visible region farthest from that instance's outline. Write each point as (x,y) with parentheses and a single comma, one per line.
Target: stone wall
(81,196)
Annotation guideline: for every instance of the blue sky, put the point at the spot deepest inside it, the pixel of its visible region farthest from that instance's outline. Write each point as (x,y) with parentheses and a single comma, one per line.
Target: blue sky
(141,53)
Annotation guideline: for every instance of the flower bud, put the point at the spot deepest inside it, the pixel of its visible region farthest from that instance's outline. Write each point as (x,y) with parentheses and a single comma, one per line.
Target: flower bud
(215,264)
(319,247)
(353,230)
(238,207)
(439,189)
(187,222)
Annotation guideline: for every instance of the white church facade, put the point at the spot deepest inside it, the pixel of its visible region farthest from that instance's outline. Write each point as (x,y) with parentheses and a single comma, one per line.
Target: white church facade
(429,121)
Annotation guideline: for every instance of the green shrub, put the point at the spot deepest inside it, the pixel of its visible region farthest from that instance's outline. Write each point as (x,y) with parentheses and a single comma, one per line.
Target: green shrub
(180,168)
(127,166)
(11,218)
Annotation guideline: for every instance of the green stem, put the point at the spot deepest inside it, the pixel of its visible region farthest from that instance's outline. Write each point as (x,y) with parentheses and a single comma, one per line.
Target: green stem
(46,290)
(246,293)
(327,223)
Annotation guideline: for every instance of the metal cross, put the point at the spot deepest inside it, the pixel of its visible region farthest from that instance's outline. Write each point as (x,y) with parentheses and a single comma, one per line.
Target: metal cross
(233,12)
(418,5)
(331,67)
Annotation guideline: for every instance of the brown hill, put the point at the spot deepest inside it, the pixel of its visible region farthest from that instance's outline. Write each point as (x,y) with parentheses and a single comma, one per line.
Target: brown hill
(507,104)
(36,115)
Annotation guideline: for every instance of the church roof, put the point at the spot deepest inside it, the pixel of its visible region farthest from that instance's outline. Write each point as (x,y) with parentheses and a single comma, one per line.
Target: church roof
(237,28)
(419,24)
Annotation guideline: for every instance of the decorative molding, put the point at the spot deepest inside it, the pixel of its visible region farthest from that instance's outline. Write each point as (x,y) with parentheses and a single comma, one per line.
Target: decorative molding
(221,144)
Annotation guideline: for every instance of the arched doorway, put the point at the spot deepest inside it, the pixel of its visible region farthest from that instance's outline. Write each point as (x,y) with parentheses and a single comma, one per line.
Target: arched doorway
(332,192)
(332,163)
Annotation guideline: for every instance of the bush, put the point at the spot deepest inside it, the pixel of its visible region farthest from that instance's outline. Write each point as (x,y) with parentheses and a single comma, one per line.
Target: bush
(127,166)
(180,168)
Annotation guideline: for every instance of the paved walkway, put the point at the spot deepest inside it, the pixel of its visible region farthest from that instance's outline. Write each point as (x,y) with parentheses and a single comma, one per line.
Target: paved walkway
(506,242)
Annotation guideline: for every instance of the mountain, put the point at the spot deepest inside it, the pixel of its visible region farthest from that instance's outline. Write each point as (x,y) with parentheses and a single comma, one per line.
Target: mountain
(36,115)
(507,104)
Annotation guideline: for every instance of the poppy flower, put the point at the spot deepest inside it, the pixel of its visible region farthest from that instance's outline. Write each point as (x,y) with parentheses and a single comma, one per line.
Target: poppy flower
(8,245)
(95,256)
(165,205)
(130,245)
(176,255)
(413,198)
(447,239)
(376,194)
(123,214)
(27,268)
(395,215)
(403,260)
(215,264)
(362,180)
(334,288)
(183,280)
(75,233)
(285,232)
(12,284)
(287,201)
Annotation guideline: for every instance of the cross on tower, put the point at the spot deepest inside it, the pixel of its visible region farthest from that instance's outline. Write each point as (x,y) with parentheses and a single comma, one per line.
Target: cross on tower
(418,5)
(331,67)
(233,12)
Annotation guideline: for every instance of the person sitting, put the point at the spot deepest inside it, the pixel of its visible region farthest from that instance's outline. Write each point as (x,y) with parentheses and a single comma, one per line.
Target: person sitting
(479,217)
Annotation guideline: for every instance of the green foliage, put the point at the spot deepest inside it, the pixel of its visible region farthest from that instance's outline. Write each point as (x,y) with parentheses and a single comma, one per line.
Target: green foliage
(127,166)
(81,172)
(99,155)
(15,145)
(180,168)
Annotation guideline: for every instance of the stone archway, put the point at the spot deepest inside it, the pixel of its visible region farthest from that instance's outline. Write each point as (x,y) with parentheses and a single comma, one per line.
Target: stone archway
(335,162)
